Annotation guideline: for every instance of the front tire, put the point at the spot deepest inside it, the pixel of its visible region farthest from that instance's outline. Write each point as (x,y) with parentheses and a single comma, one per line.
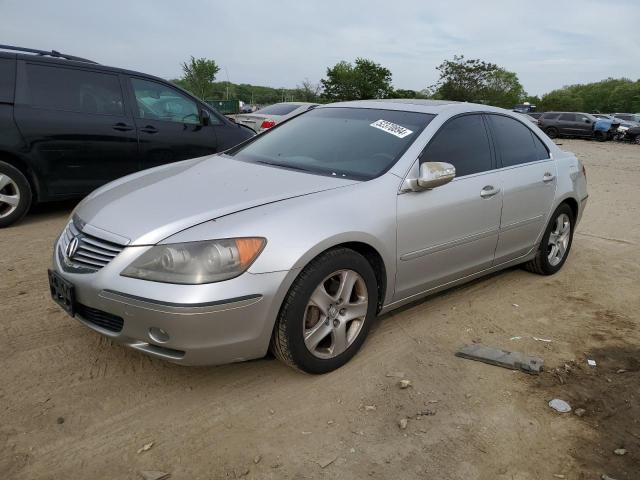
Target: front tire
(555,244)
(15,194)
(327,314)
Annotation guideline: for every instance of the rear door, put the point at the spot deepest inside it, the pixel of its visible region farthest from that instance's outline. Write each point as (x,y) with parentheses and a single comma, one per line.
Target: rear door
(169,124)
(78,132)
(450,231)
(567,124)
(528,179)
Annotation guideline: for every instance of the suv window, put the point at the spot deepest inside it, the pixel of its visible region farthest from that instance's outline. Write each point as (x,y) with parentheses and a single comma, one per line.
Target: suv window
(625,117)
(550,116)
(74,90)
(462,142)
(515,142)
(160,102)
(7,79)
(568,117)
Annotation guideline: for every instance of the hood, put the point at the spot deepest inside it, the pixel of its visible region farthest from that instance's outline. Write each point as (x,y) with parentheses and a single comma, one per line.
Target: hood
(151,205)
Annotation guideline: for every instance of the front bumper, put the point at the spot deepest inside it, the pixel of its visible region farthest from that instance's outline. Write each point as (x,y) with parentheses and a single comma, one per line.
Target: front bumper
(209,324)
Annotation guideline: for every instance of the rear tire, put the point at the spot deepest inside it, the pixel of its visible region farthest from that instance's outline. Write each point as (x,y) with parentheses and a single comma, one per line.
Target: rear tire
(552,132)
(318,336)
(15,194)
(557,236)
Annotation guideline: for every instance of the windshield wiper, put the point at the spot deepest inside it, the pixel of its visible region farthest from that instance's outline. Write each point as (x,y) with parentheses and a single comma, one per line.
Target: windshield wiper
(284,165)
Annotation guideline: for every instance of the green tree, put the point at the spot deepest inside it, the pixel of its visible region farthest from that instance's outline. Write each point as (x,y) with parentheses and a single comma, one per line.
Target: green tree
(308,92)
(360,81)
(199,75)
(477,81)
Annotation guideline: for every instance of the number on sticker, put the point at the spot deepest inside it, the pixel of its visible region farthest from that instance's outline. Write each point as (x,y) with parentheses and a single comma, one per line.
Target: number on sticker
(392,128)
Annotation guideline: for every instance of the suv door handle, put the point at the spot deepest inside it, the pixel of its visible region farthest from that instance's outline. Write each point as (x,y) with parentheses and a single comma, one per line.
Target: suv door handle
(489,191)
(122,127)
(149,129)
(548,177)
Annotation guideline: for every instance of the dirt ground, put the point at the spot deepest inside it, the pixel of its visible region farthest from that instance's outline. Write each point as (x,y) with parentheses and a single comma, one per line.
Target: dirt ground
(74,405)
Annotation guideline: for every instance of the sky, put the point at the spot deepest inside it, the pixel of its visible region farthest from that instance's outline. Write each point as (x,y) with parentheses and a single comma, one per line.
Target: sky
(279,43)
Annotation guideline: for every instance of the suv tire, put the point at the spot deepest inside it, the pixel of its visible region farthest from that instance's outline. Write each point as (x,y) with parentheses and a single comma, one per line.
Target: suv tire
(552,132)
(15,194)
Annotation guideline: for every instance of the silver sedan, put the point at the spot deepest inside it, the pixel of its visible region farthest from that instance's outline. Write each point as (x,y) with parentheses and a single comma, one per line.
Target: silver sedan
(268,117)
(298,238)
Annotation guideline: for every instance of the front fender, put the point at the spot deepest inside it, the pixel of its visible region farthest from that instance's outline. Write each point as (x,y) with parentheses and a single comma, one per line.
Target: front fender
(299,229)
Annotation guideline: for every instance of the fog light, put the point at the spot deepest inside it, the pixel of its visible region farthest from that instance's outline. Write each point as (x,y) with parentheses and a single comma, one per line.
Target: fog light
(158,335)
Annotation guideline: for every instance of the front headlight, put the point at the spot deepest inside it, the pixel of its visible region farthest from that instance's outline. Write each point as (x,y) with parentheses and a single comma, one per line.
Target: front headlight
(195,263)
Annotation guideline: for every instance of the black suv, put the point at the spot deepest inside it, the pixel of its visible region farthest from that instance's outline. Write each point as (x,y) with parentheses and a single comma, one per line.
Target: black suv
(569,124)
(69,125)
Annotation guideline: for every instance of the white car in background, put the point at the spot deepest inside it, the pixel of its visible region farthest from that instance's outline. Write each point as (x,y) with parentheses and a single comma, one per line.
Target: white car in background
(267,117)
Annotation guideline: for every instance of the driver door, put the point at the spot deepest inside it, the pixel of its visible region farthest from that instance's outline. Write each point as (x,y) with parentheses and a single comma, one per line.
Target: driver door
(169,124)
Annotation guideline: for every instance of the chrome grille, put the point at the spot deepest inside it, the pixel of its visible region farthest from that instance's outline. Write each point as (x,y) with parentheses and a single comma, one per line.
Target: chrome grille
(92,253)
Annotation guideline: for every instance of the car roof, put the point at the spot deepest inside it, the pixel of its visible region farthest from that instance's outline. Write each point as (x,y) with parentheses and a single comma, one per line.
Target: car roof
(434,107)
(61,62)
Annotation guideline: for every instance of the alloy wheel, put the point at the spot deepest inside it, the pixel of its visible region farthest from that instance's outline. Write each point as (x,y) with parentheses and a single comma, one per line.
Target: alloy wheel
(335,314)
(559,239)
(9,195)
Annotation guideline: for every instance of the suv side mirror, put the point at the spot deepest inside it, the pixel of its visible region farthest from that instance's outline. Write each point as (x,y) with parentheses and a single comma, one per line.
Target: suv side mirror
(435,174)
(586,120)
(205,118)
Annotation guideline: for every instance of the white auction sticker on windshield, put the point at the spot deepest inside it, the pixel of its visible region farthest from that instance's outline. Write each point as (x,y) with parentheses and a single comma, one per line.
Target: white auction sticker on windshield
(392,128)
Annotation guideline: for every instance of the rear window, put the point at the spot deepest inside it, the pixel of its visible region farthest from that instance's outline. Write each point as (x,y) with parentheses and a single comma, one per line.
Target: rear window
(278,109)
(7,79)
(74,90)
(568,117)
(516,143)
(550,116)
(359,143)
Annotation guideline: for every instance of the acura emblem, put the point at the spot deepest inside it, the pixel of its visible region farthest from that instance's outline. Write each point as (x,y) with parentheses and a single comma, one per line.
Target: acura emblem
(72,247)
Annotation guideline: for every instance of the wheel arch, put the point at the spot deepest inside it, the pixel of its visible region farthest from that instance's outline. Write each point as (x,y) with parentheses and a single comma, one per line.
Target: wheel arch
(365,248)
(25,169)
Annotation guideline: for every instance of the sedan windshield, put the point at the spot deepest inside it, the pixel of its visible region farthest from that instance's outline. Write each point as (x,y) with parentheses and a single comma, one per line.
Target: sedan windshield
(359,143)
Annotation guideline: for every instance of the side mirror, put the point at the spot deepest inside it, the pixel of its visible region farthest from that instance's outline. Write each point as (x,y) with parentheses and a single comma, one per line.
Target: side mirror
(586,120)
(205,118)
(435,174)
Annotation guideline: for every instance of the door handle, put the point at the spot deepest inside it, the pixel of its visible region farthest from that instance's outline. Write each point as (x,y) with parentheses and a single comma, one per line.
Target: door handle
(149,129)
(548,177)
(489,191)
(122,127)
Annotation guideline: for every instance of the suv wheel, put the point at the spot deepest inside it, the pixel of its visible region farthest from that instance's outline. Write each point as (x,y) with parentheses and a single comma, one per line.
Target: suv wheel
(15,194)
(556,243)
(552,132)
(327,313)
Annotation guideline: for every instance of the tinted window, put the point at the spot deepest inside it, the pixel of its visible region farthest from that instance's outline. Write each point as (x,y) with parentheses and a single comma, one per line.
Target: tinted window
(278,109)
(342,142)
(462,142)
(625,117)
(7,79)
(74,90)
(515,142)
(157,101)
(568,117)
(541,150)
(550,116)
(583,118)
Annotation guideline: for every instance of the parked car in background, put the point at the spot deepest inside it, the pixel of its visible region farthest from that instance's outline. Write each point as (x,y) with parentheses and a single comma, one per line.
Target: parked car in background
(267,117)
(577,124)
(296,239)
(631,117)
(570,124)
(69,125)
